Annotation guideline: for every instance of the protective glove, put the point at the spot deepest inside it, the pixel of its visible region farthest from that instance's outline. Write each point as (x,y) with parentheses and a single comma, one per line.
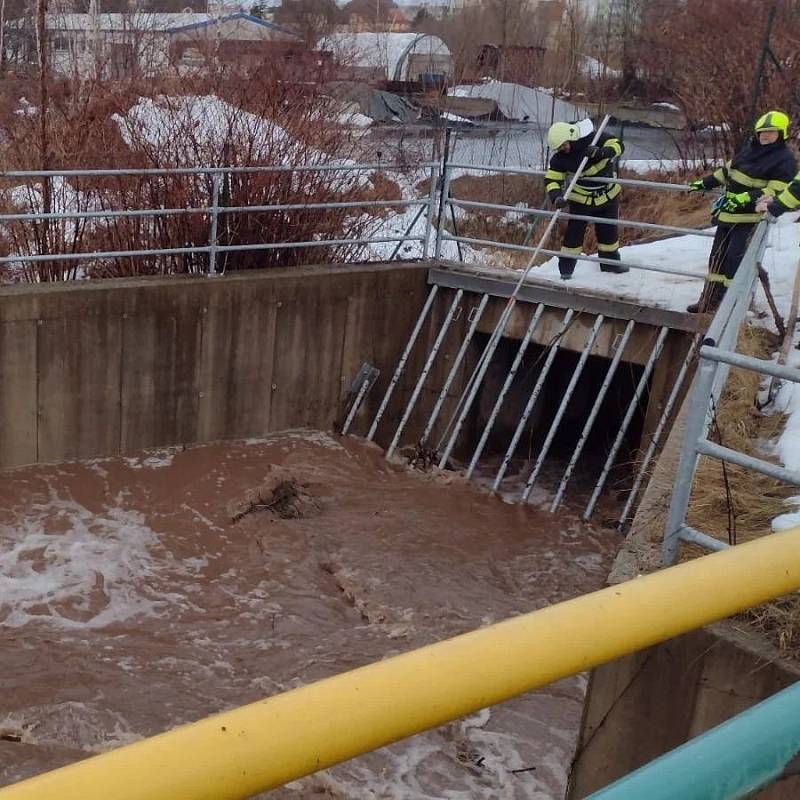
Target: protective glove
(595,153)
(770,218)
(735,202)
(697,185)
(559,201)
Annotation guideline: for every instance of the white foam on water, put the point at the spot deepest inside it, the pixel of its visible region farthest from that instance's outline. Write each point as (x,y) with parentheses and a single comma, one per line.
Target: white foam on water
(64,565)
(83,726)
(156,460)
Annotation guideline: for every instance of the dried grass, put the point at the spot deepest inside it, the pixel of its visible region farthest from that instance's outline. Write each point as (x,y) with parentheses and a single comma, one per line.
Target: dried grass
(750,501)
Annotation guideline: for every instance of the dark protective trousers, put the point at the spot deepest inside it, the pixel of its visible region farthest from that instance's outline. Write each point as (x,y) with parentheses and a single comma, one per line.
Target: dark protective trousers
(727,251)
(607,234)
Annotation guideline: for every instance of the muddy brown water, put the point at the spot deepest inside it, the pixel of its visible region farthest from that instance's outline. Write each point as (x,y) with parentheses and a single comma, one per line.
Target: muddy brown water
(140,593)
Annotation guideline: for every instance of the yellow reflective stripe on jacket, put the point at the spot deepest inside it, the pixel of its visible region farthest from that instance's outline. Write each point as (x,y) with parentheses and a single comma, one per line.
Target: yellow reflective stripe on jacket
(548,187)
(774,188)
(595,169)
(745,180)
(716,277)
(720,175)
(615,145)
(788,198)
(555,175)
(597,198)
(726,216)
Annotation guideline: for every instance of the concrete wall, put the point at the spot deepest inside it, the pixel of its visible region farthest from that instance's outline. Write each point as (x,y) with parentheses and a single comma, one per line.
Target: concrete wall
(100,368)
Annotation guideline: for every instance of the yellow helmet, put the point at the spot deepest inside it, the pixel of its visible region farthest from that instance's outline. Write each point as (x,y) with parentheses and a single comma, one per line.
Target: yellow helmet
(774,121)
(561,132)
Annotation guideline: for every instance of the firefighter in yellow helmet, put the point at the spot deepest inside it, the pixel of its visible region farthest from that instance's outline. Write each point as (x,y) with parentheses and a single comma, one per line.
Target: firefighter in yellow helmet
(570,142)
(762,168)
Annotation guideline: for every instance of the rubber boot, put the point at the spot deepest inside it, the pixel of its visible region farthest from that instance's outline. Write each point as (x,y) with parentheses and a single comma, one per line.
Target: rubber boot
(617,269)
(566,266)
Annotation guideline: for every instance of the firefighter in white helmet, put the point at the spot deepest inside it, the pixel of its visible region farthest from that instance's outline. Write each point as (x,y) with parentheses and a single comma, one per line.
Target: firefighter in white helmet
(571,142)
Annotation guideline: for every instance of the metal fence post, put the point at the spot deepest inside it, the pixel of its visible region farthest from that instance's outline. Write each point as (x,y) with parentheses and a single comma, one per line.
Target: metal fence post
(442,208)
(696,421)
(212,236)
(426,244)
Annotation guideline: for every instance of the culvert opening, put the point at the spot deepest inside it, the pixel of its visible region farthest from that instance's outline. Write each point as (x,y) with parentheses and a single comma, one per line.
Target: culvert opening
(569,416)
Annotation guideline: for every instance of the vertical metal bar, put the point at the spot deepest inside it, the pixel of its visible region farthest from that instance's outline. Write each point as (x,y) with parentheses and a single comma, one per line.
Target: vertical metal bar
(476,316)
(212,237)
(443,202)
(590,340)
(662,422)
(356,404)
(535,317)
(590,420)
(695,430)
(551,355)
(425,371)
(402,363)
(431,210)
(623,428)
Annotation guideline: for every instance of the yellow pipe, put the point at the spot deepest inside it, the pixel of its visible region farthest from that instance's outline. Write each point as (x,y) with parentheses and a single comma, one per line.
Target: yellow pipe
(239,753)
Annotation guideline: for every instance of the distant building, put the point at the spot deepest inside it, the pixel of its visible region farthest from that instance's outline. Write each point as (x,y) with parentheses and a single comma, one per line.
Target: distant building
(117,45)
(370,56)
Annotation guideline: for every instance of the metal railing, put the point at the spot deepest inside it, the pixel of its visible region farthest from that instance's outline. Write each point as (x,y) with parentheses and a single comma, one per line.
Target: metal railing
(434,204)
(717,354)
(215,211)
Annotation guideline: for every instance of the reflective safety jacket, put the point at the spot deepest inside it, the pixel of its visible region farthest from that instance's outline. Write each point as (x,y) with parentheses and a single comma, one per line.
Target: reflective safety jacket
(788,199)
(757,169)
(586,191)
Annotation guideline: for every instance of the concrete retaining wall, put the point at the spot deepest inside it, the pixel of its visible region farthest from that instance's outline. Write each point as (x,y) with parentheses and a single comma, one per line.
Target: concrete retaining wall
(100,368)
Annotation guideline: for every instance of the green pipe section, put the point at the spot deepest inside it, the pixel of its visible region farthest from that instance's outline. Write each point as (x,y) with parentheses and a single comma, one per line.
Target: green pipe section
(746,753)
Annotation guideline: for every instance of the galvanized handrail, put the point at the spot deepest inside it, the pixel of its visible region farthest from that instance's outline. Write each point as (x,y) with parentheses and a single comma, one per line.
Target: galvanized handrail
(542,212)
(663,185)
(437,196)
(717,354)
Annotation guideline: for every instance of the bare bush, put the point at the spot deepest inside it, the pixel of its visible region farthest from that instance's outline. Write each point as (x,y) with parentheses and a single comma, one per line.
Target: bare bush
(217,120)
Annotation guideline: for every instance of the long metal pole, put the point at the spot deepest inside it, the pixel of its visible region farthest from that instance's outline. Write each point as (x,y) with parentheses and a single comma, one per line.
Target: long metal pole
(476,316)
(748,752)
(248,750)
(425,371)
(590,340)
(535,317)
(534,396)
(497,333)
(587,428)
(662,422)
(623,428)
(402,363)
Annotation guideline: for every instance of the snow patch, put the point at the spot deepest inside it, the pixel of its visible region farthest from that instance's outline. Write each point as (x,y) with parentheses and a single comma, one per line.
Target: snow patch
(521,102)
